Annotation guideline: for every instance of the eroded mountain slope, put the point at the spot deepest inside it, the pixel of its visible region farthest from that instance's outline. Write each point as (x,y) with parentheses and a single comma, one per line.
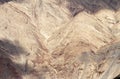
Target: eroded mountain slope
(59,39)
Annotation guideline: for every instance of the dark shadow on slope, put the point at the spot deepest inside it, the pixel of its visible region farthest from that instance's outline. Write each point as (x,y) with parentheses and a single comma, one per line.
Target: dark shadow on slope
(6,1)
(92,6)
(11,48)
(118,77)
(8,69)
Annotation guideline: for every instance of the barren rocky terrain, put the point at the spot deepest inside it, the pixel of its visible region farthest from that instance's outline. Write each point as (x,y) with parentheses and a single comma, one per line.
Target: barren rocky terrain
(59,39)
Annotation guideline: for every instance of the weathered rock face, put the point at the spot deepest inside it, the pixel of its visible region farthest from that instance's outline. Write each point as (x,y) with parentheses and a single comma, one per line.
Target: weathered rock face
(59,39)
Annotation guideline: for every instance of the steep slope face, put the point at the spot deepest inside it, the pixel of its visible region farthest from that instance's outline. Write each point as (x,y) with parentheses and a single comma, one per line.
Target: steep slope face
(59,39)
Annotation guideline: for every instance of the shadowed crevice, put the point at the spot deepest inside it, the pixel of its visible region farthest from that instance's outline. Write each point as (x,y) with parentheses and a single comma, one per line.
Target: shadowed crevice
(10,51)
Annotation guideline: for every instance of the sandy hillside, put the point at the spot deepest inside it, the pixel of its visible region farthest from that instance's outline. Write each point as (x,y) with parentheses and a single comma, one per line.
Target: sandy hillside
(59,39)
